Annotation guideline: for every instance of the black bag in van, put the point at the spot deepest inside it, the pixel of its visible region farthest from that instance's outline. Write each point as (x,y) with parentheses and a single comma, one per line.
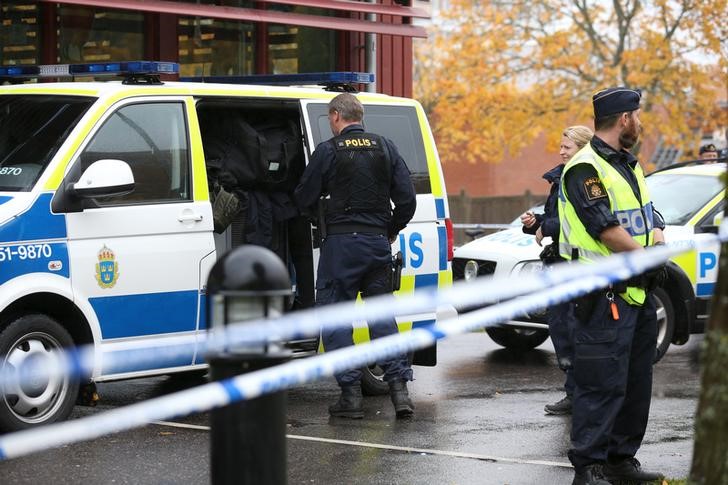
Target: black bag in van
(236,147)
(282,146)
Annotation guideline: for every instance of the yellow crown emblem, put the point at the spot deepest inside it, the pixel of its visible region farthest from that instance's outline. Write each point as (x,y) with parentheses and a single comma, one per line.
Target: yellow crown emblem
(106,254)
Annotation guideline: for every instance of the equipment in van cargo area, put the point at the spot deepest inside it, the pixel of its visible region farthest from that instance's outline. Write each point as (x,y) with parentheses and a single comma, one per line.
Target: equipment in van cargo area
(254,158)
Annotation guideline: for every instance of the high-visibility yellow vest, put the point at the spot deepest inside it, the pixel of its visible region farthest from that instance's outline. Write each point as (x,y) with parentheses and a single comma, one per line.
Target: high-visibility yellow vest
(634,215)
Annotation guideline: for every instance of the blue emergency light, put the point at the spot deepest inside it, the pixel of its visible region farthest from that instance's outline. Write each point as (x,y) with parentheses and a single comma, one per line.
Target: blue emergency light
(128,68)
(316,78)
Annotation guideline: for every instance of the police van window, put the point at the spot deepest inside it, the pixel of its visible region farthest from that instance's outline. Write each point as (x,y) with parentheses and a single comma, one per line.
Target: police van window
(32,127)
(152,139)
(398,123)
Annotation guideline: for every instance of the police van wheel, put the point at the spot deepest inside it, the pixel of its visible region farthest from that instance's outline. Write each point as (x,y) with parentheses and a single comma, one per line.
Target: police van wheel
(665,322)
(372,381)
(514,338)
(27,342)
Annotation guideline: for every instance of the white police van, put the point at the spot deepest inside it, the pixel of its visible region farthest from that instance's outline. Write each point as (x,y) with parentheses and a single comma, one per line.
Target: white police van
(106,220)
(691,198)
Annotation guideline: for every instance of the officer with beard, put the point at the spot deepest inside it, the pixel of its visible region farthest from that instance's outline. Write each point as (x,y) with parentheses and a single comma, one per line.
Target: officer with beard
(604,208)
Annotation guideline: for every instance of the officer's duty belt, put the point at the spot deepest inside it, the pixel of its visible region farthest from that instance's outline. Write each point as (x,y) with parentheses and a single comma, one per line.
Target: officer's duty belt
(351,228)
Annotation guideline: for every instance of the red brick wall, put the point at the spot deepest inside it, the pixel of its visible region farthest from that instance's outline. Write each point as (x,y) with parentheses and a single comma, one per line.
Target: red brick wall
(513,175)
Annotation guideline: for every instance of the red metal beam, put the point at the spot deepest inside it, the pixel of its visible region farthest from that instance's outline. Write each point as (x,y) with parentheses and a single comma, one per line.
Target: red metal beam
(252,15)
(48,34)
(351,6)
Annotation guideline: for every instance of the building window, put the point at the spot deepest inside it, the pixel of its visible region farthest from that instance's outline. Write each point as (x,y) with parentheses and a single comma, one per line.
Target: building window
(212,47)
(19,36)
(96,34)
(209,47)
(294,49)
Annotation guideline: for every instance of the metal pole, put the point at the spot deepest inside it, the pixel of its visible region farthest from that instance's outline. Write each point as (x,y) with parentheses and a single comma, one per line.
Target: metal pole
(371,53)
(248,438)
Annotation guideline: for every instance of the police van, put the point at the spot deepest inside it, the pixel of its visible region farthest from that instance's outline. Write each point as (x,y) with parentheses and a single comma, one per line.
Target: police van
(107,230)
(691,198)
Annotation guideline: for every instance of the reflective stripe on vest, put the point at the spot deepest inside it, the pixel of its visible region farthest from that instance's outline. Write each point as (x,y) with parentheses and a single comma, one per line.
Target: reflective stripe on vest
(635,218)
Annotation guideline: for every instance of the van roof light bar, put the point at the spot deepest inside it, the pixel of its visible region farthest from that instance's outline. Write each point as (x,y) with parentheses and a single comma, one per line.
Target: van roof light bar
(135,72)
(332,81)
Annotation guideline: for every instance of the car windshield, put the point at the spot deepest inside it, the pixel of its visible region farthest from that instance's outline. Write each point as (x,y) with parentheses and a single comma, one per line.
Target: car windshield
(32,127)
(679,196)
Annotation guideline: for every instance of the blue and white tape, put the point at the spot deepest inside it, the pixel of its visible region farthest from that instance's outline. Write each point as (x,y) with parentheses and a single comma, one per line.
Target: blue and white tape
(248,386)
(297,372)
(308,323)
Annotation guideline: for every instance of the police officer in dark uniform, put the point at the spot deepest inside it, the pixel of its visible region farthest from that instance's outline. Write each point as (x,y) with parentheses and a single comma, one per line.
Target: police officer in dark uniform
(604,207)
(360,173)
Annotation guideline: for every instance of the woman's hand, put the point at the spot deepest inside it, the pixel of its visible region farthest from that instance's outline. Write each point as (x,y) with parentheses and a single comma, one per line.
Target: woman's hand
(528,219)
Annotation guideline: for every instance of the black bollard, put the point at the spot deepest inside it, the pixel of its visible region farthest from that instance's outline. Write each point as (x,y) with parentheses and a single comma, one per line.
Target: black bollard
(248,437)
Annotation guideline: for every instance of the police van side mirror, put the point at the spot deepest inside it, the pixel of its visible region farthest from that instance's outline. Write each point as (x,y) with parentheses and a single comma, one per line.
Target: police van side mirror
(718,219)
(104,178)
(711,226)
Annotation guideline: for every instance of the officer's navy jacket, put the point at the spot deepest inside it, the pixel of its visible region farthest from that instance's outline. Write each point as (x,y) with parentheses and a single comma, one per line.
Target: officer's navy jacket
(318,174)
(549,220)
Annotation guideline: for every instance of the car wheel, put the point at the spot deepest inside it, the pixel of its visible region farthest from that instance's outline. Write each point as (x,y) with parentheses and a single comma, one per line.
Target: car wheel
(25,343)
(372,381)
(517,338)
(665,321)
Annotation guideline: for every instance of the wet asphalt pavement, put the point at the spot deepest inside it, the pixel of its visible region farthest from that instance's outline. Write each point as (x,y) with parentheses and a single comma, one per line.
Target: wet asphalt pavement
(478,420)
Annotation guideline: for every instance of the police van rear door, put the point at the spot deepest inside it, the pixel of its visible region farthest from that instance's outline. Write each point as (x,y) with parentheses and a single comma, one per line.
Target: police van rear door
(424,242)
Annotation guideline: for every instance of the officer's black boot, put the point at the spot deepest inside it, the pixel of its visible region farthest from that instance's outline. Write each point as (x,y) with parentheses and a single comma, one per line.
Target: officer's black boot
(589,475)
(629,470)
(350,403)
(400,398)
(559,407)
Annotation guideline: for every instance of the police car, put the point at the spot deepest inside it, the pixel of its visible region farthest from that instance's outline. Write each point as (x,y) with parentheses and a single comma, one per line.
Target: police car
(691,198)
(107,221)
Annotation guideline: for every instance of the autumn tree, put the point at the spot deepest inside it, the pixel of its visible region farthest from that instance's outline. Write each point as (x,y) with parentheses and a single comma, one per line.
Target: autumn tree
(495,74)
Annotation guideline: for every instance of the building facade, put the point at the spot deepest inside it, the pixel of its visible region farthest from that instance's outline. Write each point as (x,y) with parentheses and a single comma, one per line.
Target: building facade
(219,37)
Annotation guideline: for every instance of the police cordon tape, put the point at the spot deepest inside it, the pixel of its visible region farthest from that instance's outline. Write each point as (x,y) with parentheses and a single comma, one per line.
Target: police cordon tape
(248,386)
(308,323)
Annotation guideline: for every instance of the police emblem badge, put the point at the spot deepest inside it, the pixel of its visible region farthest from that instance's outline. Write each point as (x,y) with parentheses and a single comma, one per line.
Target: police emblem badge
(594,188)
(107,269)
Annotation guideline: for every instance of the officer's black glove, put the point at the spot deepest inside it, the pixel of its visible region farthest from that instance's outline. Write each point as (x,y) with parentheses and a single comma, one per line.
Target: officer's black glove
(655,277)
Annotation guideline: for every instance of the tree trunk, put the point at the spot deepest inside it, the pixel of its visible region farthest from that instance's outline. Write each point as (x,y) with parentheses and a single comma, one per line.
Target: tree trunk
(710,454)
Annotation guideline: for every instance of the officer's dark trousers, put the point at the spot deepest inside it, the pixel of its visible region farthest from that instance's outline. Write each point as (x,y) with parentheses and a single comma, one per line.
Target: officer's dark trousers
(352,263)
(560,320)
(613,379)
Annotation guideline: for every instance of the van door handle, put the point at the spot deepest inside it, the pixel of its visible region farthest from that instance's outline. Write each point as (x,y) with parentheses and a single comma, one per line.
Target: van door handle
(189,216)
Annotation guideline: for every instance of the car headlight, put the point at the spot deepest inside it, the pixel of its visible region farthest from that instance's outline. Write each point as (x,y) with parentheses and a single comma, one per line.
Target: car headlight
(471,270)
(527,267)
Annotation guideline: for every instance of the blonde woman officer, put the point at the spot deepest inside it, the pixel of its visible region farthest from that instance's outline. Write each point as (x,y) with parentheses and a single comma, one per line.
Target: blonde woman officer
(547,224)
